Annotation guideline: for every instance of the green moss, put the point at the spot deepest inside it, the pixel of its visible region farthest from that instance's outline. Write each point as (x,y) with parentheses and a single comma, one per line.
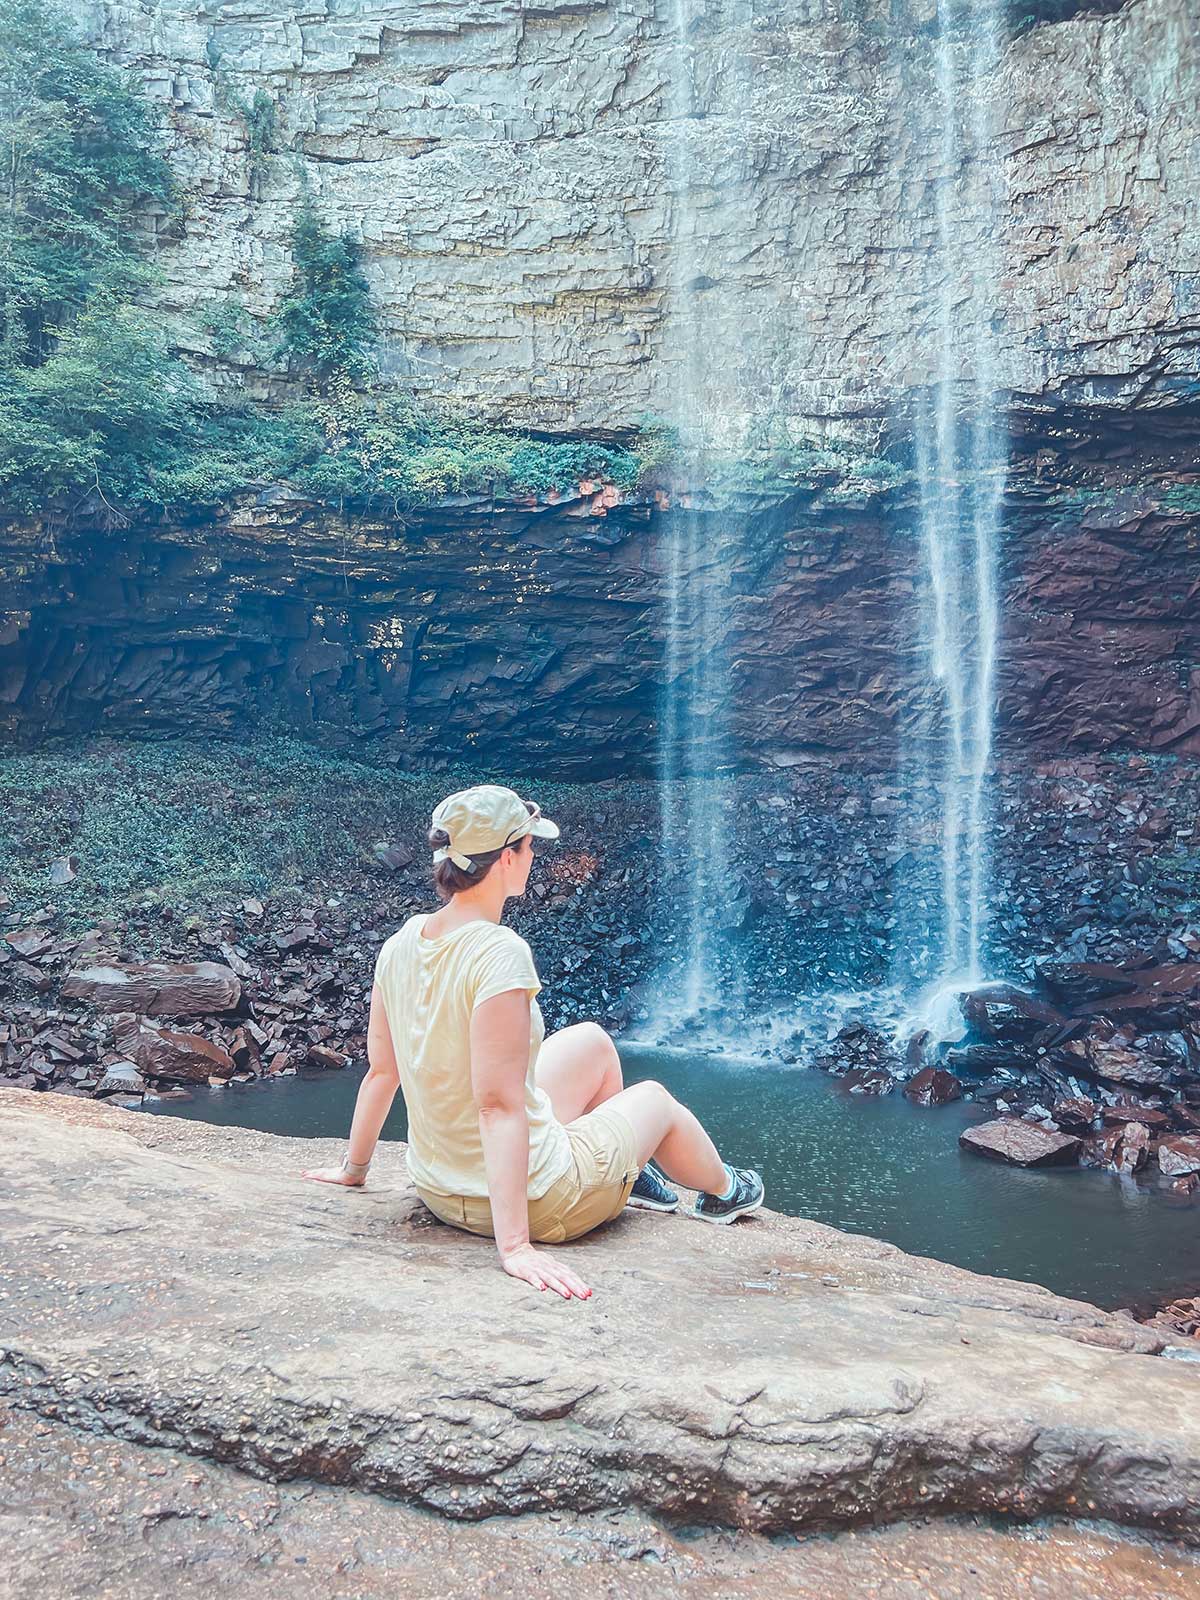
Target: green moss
(1183,497)
(191,822)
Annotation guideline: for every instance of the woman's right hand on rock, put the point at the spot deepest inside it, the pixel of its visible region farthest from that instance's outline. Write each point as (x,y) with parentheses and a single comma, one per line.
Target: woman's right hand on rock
(544,1272)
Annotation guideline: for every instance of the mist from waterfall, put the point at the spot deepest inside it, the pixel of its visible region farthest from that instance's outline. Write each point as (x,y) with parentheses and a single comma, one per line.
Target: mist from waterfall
(960,458)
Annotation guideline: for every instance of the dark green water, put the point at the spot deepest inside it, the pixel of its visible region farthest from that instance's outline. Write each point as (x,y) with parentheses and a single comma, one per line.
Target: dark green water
(878,1167)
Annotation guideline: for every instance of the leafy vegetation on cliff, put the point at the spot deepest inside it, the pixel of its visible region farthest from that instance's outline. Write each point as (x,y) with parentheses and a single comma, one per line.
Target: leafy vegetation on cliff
(98,416)
(326,324)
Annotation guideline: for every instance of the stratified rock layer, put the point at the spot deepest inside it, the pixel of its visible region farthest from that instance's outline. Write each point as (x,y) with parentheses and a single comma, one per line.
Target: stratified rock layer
(533,636)
(528,181)
(777,1374)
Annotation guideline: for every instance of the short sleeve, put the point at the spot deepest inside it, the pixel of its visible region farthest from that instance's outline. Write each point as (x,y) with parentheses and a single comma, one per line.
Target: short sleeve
(381,960)
(503,964)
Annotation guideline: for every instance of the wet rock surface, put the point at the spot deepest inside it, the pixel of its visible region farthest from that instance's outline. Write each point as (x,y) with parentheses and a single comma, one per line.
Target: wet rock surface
(296,1328)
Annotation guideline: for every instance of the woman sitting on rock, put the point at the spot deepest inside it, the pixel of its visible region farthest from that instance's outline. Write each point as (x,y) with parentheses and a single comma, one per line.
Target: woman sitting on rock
(511,1137)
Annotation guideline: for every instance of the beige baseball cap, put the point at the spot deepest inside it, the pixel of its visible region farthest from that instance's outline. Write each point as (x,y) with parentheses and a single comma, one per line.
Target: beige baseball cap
(487,817)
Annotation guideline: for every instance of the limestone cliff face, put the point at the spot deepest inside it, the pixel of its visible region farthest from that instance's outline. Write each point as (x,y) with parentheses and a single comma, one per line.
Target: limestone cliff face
(514,172)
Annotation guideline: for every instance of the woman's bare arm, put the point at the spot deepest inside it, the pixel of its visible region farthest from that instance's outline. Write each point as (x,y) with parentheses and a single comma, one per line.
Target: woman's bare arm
(499,1062)
(375,1095)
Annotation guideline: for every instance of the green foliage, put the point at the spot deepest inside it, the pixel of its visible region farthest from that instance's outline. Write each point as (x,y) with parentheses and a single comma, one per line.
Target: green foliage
(259,118)
(375,450)
(96,416)
(1183,497)
(326,324)
(261,125)
(228,326)
(80,163)
(384,448)
(192,820)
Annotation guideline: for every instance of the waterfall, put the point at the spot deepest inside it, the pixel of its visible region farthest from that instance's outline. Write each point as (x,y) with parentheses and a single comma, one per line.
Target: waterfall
(707,417)
(712,145)
(960,458)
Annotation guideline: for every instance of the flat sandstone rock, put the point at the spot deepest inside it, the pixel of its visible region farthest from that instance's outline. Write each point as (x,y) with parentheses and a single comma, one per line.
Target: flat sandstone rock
(1020,1143)
(178,1283)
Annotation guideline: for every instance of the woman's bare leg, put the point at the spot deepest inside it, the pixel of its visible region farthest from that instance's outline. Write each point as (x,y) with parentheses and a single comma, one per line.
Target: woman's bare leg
(579,1069)
(671,1134)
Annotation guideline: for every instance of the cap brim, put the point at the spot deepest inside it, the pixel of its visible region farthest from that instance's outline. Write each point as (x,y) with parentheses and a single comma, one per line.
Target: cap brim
(544,828)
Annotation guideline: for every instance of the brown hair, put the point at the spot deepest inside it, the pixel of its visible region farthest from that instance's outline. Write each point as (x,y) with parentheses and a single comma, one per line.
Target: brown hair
(449,879)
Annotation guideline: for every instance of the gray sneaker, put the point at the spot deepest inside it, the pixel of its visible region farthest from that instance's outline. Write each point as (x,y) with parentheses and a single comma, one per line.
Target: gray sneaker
(652,1192)
(747,1196)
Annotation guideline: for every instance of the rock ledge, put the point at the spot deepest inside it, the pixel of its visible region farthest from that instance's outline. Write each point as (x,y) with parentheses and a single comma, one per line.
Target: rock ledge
(176,1283)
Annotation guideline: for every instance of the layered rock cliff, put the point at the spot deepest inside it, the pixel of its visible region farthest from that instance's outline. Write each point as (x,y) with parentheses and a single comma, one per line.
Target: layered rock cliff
(533,635)
(512,172)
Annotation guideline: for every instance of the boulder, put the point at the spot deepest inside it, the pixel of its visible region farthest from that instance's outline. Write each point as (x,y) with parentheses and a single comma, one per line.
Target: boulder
(166,1053)
(1148,1116)
(1114,1061)
(157,988)
(837,1381)
(1010,1015)
(1071,983)
(933,1086)
(64,870)
(1178,1154)
(1171,993)
(1021,1144)
(1101,1149)
(120,1077)
(1133,1152)
(323,1055)
(30,942)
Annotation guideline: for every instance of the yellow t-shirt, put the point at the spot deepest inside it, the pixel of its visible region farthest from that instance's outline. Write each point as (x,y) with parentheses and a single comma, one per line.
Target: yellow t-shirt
(429,989)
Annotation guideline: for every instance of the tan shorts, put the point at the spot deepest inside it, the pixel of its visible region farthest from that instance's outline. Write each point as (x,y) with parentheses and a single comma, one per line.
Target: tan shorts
(593,1189)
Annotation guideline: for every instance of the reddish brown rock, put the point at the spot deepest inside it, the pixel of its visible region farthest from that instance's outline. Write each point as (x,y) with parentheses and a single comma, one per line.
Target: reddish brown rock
(1075,1113)
(1101,1149)
(1178,1155)
(1072,983)
(167,1053)
(1179,979)
(321,1055)
(1148,1116)
(1021,1144)
(157,988)
(933,1086)
(1003,1012)
(30,942)
(244,1049)
(1112,1060)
